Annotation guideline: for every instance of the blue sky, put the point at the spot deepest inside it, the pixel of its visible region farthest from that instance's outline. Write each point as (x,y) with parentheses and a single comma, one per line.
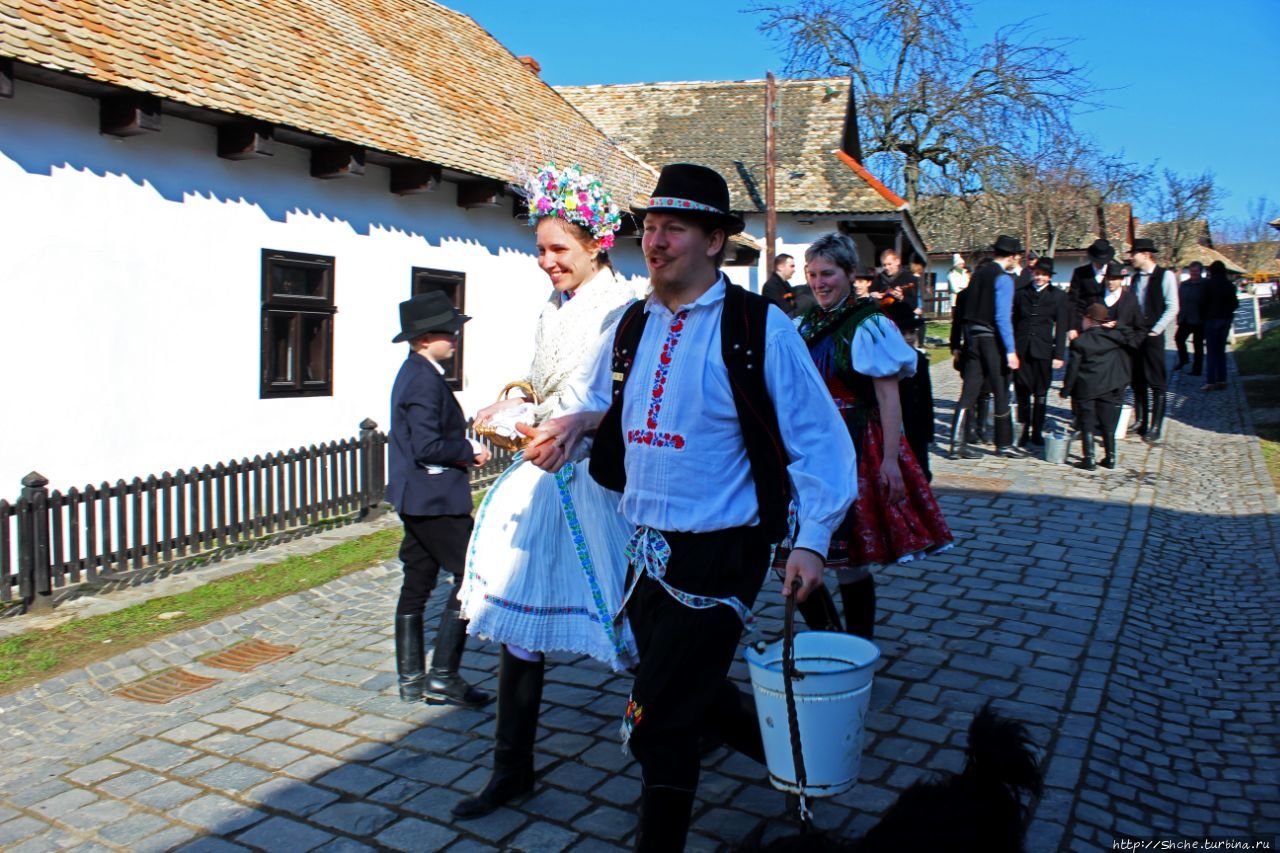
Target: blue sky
(1193,85)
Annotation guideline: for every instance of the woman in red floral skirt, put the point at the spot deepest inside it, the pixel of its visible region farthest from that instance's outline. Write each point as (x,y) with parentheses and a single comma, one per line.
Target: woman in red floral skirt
(861,354)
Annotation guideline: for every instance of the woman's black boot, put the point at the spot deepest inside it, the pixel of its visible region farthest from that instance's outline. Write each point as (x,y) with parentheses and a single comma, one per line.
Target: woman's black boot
(519,698)
(859,600)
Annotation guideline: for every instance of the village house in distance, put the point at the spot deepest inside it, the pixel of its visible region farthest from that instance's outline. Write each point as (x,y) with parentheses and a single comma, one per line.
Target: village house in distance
(211,221)
(821,185)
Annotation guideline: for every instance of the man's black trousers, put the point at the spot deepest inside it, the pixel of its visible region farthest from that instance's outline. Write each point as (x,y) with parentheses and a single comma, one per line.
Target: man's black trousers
(985,362)
(681,687)
(1149,369)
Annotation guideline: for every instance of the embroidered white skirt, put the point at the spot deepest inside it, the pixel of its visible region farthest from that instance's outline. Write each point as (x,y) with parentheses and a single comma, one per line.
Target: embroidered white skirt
(546,565)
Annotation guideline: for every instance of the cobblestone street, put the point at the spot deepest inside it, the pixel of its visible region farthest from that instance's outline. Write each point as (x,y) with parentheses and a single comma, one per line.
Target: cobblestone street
(1129,617)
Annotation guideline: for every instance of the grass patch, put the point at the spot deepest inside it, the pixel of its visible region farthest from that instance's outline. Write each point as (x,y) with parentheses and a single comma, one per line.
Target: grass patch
(1254,356)
(938,329)
(1269,439)
(37,655)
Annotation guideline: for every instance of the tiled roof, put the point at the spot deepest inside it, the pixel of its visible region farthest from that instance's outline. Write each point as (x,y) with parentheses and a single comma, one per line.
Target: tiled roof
(407,77)
(721,125)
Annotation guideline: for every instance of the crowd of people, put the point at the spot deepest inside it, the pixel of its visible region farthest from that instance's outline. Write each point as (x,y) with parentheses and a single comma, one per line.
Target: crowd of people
(675,449)
(1011,322)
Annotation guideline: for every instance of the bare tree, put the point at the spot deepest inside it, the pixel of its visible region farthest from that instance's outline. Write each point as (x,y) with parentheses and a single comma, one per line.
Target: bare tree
(1182,205)
(1251,240)
(944,111)
(1115,179)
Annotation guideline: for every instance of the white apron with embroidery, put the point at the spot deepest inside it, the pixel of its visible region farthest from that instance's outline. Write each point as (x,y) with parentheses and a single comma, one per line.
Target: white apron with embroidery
(546,565)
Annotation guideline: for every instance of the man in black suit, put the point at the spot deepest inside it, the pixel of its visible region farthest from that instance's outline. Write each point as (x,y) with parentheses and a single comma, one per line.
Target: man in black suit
(428,484)
(1088,284)
(1040,334)
(777,288)
(1122,307)
(1156,289)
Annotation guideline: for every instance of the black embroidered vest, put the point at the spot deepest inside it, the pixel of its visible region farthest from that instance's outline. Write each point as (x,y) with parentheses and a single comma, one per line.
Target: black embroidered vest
(742,334)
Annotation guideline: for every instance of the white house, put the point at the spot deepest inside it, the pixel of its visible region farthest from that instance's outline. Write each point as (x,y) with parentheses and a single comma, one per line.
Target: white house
(212,211)
(821,185)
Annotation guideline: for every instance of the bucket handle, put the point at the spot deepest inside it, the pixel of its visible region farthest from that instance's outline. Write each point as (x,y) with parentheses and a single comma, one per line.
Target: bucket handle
(789,674)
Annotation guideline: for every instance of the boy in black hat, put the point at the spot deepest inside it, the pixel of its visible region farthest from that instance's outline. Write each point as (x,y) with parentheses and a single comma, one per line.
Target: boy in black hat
(1088,282)
(429,486)
(723,417)
(989,349)
(1156,289)
(1040,332)
(1095,382)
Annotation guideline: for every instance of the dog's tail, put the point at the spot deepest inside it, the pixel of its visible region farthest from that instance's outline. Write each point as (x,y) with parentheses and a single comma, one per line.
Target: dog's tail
(1002,753)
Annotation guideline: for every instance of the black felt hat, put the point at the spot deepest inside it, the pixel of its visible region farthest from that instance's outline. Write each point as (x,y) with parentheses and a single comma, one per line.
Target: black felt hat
(1006,245)
(1044,265)
(1101,250)
(1113,270)
(694,190)
(1144,244)
(427,313)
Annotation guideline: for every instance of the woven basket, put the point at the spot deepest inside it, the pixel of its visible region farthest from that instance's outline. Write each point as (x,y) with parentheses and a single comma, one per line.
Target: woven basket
(487,432)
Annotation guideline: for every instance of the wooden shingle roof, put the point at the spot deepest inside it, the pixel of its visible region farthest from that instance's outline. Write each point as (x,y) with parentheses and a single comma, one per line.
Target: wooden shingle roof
(721,124)
(405,77)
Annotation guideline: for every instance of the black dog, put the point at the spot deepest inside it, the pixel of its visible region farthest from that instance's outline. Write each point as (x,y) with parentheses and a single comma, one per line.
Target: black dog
(983,809)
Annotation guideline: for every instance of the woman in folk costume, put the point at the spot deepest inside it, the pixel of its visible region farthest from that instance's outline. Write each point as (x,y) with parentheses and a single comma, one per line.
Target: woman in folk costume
(546,564)
(861,354)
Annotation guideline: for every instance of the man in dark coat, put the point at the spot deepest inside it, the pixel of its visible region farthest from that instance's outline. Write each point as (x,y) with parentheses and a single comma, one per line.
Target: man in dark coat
(990,353)
(1156,289)
(1191,319)
(1122,306)
(1040,333)
(1095,382)
(1087,284)
(428,484)
(971,422)
(899,293)
(777,288)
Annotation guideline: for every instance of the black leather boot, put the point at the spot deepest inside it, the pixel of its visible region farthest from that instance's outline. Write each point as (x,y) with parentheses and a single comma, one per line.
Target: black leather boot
(664,819)
(409,657)
(859,600)
(444,685)
(1025,417)
(819,611)
(980,411)
(1140,411)
(1086,462)
(962,435)
(519,698)
(1039,408)
(1109,450)
(1156,433)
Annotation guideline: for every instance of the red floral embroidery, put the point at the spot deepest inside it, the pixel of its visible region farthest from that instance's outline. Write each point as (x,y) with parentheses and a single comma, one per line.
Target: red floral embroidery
(651,436)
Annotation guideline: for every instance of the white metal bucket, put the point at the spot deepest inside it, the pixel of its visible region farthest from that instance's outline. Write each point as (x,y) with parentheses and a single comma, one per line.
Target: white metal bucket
(1126,418)
(1055,447)
(831,708)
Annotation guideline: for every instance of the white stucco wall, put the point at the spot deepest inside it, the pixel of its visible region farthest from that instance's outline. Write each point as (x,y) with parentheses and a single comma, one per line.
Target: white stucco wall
(794,237)
(130,293)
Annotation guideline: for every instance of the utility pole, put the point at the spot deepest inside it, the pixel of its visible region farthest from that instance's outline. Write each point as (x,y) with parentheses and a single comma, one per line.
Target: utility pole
(770,167)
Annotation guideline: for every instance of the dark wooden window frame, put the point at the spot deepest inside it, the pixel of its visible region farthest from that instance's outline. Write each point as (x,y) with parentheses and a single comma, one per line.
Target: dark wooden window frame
(298,310)
(454,285)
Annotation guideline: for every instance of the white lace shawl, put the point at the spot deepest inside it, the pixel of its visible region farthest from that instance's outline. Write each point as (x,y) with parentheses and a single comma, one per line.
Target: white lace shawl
(569,336)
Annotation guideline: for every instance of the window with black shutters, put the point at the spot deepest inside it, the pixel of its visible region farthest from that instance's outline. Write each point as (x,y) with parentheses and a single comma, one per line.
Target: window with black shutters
(453,285)
(297,325)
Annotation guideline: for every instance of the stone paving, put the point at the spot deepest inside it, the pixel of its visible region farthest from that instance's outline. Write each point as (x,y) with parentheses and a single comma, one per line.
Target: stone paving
(1129,617)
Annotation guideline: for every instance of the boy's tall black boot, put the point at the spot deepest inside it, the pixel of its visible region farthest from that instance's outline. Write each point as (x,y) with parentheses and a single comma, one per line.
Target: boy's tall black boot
(409,657)
(519,698)
(1039,408)
(444,685)
(1109,449)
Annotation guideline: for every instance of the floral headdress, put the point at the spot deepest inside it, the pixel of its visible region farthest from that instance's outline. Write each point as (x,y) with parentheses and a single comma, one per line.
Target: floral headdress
(573,196)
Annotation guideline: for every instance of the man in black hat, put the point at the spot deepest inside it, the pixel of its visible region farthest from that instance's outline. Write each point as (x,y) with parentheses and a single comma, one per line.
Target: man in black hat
(990,351)
(722,418)
(1156,289)
(428,484)
(1088,282)
(1040,331)
(777,287)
